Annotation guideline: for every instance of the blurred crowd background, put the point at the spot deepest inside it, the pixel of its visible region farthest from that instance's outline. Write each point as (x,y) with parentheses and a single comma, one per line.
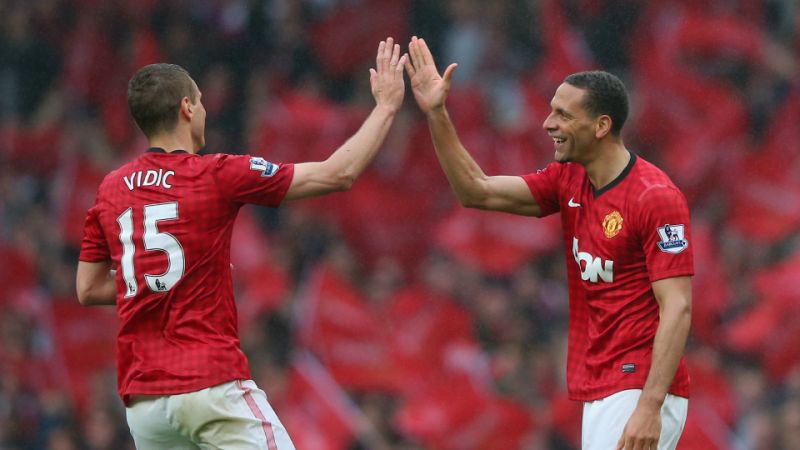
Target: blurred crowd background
(388,317)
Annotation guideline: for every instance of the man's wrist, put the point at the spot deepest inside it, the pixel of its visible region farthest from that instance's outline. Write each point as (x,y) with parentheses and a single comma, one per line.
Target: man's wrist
(439,112)
(385,109)
(651,400)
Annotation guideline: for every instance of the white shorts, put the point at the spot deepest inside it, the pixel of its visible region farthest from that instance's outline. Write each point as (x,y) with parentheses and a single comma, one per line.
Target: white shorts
(605,419)
(233,415)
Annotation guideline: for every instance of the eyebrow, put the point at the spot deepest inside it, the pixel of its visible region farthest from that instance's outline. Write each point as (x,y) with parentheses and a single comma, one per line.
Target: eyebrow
(562,111)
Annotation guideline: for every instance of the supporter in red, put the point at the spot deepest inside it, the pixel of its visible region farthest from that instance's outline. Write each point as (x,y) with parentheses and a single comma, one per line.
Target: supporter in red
(626,226)
(157,244)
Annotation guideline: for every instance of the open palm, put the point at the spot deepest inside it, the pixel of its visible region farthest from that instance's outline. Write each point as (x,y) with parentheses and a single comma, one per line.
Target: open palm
(386,79)
(430,89)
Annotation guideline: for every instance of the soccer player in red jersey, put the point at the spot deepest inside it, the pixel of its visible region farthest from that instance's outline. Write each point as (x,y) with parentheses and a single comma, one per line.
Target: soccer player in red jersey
(626,237)
(163,223)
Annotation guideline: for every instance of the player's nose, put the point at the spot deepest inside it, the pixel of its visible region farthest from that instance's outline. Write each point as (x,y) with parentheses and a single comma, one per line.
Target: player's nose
(549,123)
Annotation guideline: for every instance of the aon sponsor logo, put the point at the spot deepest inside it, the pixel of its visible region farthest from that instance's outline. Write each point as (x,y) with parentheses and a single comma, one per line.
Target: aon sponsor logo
(591,267)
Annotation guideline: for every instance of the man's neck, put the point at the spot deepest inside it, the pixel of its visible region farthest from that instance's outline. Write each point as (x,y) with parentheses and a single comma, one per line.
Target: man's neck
(172,142)
(608,165)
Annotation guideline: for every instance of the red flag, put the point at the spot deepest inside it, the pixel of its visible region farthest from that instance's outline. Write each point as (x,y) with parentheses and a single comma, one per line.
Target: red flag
(262,282)
(318,414)
(426,332)
(496,243)
(455,413)
(710,279)
(86,338)
(336,323)
(754,331)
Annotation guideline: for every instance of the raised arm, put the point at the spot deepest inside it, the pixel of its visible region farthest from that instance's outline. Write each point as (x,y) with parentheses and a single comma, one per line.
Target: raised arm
(95,283)
(473,188)
(674,296)
(340,170)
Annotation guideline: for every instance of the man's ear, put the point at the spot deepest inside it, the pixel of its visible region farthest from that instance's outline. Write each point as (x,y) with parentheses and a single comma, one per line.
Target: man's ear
(602,126)
(186,108)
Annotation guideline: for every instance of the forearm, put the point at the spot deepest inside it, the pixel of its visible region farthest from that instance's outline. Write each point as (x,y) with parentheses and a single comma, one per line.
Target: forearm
(350,160)
(668,347)
(461,170)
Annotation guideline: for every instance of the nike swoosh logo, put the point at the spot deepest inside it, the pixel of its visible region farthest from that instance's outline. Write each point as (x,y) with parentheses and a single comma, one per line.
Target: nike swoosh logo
(572,203)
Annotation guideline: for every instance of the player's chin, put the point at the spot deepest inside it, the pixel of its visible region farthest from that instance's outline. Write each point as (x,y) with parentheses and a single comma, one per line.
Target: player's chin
(561,157)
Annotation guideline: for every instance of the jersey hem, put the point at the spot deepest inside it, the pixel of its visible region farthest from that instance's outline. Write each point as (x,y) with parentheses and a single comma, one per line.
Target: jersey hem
(93,260)
(599,394)
(126,397)
(671,274)
(285,189)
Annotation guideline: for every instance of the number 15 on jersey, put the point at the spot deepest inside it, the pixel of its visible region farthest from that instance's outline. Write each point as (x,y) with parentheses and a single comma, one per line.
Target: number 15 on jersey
(153,240)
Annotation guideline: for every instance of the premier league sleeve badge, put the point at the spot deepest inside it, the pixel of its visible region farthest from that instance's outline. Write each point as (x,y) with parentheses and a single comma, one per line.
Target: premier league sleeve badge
(672,239)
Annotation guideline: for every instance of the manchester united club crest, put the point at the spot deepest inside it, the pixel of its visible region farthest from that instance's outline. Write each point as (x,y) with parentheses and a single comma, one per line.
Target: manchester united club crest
(612,224)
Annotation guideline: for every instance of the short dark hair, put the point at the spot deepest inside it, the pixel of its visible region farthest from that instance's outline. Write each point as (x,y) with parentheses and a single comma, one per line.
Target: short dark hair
(605,94)
(154,96)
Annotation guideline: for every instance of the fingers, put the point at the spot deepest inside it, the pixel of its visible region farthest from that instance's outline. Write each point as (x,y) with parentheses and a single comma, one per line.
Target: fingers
(409,66)
(425,52)
(384,57)
(395,56)
(400,64)
(380,61)
(414,52)
(388,60)
(448,73)
(630,443)
(420,53)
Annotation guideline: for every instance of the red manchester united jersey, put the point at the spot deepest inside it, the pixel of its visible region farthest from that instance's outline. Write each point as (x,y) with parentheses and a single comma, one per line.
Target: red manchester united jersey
(165,221)
(617,240)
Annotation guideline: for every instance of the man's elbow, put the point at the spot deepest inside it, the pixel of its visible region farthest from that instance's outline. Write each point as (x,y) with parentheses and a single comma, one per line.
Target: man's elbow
(88,296)
(686,308)
(84,298)
(344,182)
(339,181)
(473,201)
(470,203)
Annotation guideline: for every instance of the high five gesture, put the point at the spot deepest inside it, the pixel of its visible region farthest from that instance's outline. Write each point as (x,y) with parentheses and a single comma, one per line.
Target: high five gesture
(430,89)
(386,79)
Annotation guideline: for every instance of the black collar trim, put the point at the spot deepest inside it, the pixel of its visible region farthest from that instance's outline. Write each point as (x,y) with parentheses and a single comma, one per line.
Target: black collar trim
(161,150)
(620,177)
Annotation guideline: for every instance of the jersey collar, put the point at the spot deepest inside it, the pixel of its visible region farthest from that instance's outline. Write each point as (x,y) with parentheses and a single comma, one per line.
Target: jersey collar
(161,150)
(620,177)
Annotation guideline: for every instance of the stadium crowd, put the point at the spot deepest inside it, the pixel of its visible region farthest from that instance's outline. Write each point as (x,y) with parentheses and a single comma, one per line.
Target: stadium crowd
(389,317)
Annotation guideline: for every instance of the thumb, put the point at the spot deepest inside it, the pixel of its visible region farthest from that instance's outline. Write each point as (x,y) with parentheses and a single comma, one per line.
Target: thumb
(448,73)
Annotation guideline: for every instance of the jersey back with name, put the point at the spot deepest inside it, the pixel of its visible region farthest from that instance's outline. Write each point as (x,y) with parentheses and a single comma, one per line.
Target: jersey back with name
(165,221)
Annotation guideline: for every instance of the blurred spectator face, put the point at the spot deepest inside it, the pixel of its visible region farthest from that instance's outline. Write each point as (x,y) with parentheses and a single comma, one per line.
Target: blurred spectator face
(789,423)
(759,431)
(569,124)
(218,90)
(100,430)
(62,439)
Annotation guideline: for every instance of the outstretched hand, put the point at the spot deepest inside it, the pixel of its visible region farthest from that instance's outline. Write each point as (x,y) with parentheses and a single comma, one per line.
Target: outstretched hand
(386,80)
(430,89)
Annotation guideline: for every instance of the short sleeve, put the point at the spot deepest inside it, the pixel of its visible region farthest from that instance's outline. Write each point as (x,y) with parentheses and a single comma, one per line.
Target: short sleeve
(666,233)
(94,247)
(252,179)
(544,185)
